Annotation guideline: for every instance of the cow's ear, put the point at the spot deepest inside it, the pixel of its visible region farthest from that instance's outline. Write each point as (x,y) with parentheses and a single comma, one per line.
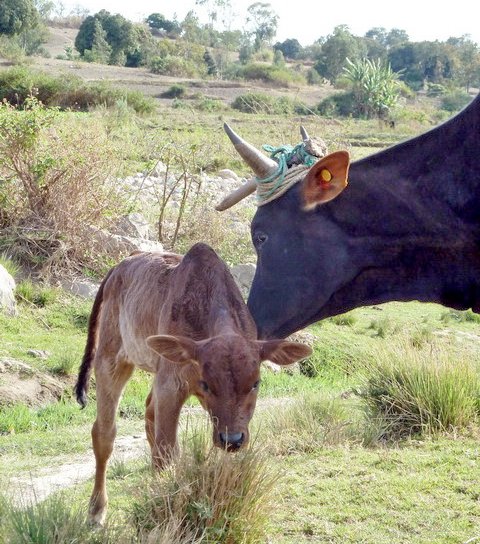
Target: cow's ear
(177,349)
(283,352)
(326,179)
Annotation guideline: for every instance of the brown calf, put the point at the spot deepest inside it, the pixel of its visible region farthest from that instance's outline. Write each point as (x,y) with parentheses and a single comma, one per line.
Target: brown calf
(184,320)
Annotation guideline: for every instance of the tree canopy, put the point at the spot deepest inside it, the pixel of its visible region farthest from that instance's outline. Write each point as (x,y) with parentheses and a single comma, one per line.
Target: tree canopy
(17,15)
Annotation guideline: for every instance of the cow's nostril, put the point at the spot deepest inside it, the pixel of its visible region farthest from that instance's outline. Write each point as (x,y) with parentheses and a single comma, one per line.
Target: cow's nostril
(232,439)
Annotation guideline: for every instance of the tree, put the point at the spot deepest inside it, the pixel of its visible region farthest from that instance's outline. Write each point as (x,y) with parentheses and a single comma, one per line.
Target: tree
(468,66)
(101,50)
(217,10)
(290,48)
(17,15)
(264,22)
(374,86)
(119,34)
(336,49)
(45,8)
(158,22)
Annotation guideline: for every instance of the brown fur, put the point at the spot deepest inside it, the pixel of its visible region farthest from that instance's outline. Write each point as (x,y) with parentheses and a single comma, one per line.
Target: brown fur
(183,320)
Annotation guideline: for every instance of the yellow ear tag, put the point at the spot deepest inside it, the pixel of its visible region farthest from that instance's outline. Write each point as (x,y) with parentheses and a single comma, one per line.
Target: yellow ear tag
(326,175)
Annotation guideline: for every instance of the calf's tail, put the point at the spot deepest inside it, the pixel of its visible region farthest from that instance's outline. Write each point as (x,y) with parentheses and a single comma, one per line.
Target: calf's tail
(81,387)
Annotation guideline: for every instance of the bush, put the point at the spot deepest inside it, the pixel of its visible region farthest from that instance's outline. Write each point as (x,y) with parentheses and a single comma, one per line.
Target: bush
(274,75)
(67,92)
(57,184)
(175,91)
(421,391)
(339,104)
(263,103)
(455,101)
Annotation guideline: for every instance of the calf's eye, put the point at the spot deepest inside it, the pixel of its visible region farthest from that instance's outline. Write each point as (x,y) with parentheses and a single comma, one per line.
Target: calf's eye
(204,386)
(256,385)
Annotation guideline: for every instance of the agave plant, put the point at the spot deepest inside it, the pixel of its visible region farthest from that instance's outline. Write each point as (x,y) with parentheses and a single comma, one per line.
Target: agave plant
(375,86)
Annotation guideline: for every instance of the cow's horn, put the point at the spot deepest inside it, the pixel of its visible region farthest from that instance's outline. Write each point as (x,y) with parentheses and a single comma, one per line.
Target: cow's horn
(239,194)
(261,165)
(304,134)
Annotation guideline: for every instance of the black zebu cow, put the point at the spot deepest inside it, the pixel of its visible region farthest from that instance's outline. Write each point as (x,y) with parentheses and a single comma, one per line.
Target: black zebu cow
(406,228)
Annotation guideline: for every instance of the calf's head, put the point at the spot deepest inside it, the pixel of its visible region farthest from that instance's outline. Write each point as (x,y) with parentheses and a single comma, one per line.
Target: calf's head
(227,376)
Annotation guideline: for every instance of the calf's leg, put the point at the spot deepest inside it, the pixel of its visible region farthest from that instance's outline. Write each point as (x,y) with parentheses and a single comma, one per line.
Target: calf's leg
(111,377)
(163,411)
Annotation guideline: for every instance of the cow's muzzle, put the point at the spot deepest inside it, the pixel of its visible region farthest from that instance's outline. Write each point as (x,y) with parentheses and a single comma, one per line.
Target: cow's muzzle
(231,441)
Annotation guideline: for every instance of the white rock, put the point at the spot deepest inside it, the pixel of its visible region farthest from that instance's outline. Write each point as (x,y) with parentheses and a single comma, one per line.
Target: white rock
(135,225)
(81,287)
(228,174)
(243,276)
(7,289)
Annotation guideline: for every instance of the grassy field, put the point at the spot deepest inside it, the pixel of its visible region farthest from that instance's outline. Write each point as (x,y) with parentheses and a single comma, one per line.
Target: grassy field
(340,477)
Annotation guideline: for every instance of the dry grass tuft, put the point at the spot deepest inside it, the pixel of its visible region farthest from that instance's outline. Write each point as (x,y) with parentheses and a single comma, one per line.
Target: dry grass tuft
(208,496)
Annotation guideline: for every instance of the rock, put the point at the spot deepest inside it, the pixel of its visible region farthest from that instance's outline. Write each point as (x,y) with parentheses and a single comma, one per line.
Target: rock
(39,353)
(20,383)
(119,247)
(134,225)
(228,174)
(272,366)
(7,289)
(81,287)
(159,170)
(243,276)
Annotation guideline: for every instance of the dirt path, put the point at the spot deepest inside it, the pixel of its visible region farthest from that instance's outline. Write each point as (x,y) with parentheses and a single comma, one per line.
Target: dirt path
(37,485)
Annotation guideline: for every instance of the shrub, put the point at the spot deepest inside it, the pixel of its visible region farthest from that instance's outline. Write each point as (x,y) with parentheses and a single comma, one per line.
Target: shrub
(19,84)
(57,171)
(274,75)
(455,101)
(421,391)
(177,90)
(263,103)
(339,104)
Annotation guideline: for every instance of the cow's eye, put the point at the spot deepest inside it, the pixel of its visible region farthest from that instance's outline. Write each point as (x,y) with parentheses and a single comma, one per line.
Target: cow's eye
(256,385)
(204,386)
(259,238)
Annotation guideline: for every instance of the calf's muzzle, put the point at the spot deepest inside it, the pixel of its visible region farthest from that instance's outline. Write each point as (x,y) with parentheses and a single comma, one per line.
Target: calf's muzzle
(231,441)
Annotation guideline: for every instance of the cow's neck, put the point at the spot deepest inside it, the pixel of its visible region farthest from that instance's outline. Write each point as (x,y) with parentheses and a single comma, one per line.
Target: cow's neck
(438,171)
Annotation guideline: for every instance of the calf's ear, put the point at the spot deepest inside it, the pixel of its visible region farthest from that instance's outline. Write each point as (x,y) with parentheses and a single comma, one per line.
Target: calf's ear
(326,179)
(283,352)
(177,349)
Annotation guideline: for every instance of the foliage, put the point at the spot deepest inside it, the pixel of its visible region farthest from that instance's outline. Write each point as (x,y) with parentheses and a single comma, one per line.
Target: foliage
(178,58)
(339,46)
(422,390)
(290,48)
(374,87)
(454,101)
(158,22)
(263,22)
(338,104)
(17,84)
(177,90)
(117,36)
(279,76)
(17,15)
(55,185)
(258,103)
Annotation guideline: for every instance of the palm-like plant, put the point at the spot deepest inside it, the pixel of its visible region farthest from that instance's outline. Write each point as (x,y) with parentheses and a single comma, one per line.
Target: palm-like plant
(375,87)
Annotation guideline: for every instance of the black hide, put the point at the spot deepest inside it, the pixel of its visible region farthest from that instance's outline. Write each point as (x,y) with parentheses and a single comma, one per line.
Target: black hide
(405,228)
